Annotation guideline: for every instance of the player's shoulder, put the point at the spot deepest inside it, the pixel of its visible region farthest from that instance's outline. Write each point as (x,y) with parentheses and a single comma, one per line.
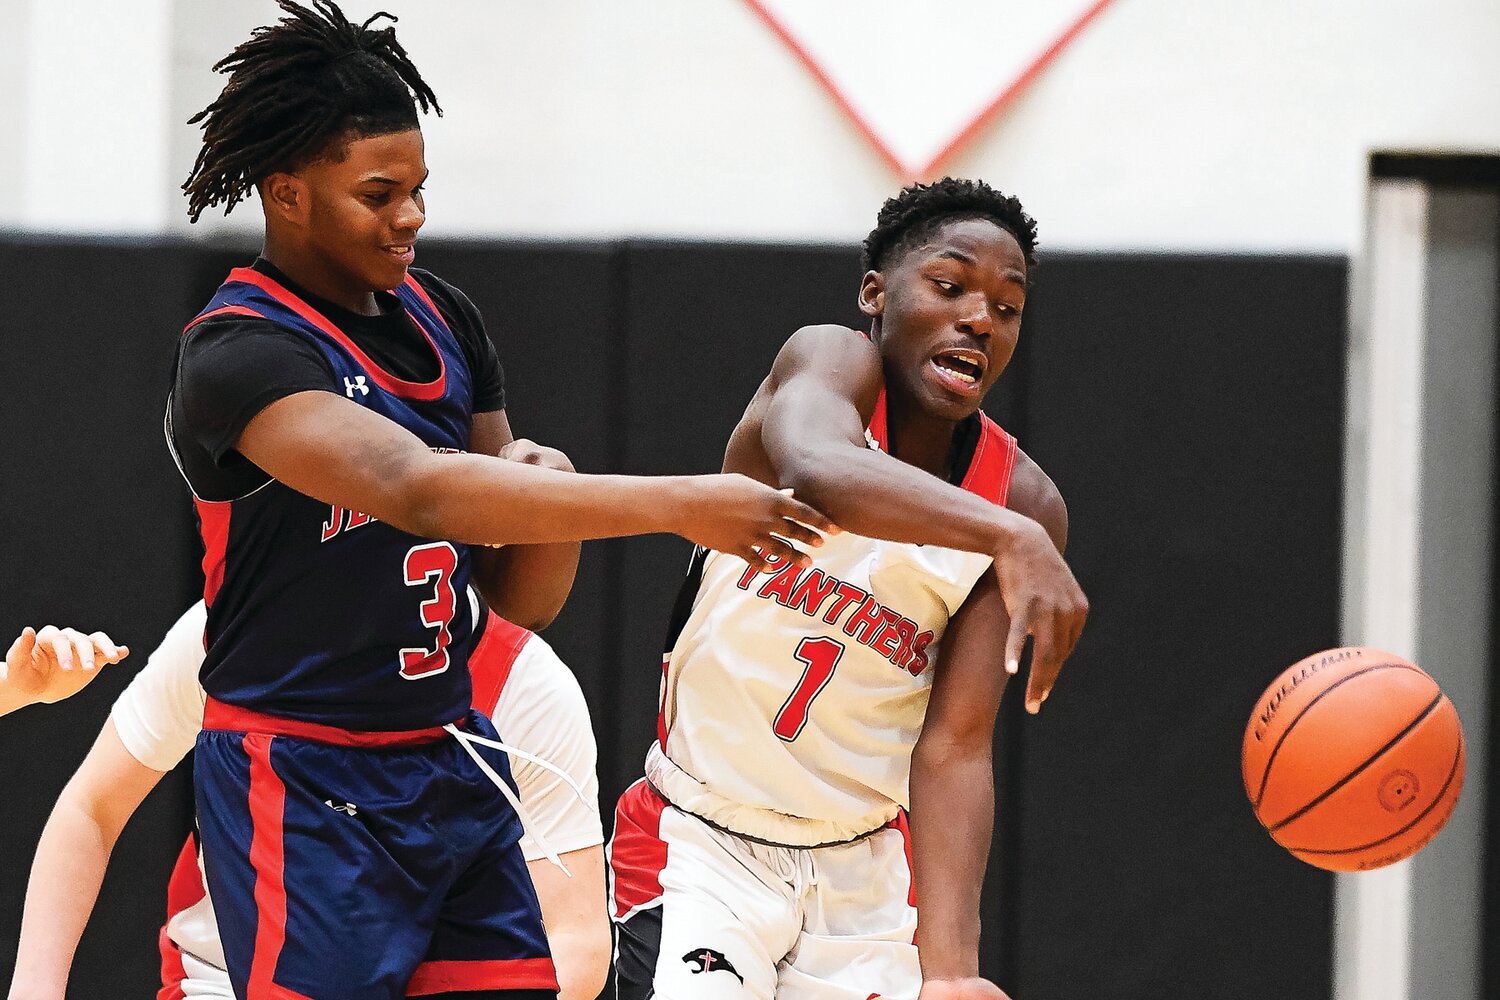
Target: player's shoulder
(451,301)
(1033,493)
(827,349)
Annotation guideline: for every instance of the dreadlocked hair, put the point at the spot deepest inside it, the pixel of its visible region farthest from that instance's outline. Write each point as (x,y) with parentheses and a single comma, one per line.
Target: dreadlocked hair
(916,213)
(294,87)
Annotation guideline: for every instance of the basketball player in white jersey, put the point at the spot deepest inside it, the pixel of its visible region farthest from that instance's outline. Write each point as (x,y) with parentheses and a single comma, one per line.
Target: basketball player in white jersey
(47,665)
(804,708)
(519,681)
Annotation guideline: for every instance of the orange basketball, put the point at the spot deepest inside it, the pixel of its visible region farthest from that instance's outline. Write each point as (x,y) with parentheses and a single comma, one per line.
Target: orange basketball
(1353,759)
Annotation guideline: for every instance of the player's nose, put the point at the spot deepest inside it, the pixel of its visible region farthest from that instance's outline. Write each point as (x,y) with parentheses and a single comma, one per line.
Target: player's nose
(409,217)
(974,316)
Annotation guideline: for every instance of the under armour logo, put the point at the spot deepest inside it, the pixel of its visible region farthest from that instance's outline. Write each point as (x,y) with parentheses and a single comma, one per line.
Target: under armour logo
(358,382)
(708,960)
(347,808)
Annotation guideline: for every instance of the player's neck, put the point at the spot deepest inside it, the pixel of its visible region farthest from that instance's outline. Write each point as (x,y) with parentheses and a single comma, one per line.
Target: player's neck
(918,438)
(314,273)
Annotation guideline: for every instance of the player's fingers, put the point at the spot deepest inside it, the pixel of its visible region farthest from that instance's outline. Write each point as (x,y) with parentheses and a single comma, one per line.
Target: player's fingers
(1044,667)
(776,549)
(58,646)
(83,650)
(21,649)
(1016,640)
(795,510)
(106,648)
(800,533)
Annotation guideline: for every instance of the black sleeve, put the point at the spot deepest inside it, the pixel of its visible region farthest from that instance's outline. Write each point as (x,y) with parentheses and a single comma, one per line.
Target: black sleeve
(468,326)
(234,367)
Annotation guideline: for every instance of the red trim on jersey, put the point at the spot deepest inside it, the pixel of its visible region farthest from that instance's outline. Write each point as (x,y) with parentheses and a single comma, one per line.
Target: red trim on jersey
(637,854)
(184,889)
(223,311)
(993,462)
(495,974)
(384,379)
(267,857)
(421,293)
(877,424)
(219,715)
(213,525)
(902,823)
(493,659)
(989,470)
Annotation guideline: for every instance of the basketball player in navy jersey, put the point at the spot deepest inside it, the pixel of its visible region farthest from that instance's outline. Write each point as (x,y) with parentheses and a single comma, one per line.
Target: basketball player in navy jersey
(805,708)
(339,417)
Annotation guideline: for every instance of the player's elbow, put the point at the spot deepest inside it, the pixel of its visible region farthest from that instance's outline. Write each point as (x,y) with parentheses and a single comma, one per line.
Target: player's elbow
(421,501)
(945,746)
(812,477)
(582,956)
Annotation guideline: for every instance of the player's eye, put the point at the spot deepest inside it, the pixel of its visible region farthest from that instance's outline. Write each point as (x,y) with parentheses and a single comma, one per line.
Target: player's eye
(1005,309)
(947,287)
(374,198)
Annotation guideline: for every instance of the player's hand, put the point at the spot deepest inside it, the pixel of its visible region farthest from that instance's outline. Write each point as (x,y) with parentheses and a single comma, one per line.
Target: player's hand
(971,988)
(735,514)
(1045,602)
(528,452)
(57,663)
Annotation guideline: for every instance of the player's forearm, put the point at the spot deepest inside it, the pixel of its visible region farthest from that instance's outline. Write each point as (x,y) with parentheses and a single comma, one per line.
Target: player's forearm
(581,955)
(952,819)
(65,879)
(476,499)
(527,584)
(873,494)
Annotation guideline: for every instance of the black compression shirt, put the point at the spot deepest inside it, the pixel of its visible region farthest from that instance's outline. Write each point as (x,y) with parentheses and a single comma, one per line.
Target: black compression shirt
(232,367)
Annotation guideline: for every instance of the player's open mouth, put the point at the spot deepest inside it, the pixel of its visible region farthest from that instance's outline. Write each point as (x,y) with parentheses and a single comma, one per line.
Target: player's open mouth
(404,252)
(961,369)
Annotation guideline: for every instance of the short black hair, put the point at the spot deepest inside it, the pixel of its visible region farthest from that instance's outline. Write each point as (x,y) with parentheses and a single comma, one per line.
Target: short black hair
(294,87)
(914,214)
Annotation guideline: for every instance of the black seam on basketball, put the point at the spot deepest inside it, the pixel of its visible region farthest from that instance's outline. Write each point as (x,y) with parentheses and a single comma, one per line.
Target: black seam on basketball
(1431,707)
(1265,776)
(1458,755)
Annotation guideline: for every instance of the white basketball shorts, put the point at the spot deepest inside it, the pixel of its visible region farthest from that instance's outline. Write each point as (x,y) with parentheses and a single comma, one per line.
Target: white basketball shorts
(702,914)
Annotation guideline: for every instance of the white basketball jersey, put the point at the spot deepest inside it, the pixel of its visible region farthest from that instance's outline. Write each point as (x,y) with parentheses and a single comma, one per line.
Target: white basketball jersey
(792,698)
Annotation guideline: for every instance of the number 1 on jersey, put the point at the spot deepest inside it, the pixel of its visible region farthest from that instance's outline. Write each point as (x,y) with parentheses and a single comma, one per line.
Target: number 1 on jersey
(821,657)
(434,563)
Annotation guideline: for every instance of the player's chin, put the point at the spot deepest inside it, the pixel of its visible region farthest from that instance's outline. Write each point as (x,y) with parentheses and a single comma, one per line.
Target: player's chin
(949,403)
(388,270)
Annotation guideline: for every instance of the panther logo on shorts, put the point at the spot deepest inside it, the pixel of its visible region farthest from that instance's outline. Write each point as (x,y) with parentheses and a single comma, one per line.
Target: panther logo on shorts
(708,960)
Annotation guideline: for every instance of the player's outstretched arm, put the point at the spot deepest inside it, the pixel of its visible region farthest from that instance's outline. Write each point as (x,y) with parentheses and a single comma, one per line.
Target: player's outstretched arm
(815,405)
(577,920)
(525,584)
(70,862)
(155,720)
(338,452)
(953,796)
(53,664)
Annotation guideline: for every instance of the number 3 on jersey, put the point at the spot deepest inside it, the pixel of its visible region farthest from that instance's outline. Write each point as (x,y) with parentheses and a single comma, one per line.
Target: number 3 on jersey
(433,563)
(821,656)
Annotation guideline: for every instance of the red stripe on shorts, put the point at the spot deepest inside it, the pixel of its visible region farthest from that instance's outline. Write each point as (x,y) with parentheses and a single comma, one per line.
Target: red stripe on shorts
(637,854)
(267,857)
(495,974)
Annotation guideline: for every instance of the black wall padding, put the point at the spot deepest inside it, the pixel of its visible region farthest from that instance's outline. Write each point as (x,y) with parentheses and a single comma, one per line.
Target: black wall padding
(97,534)
(1189,408)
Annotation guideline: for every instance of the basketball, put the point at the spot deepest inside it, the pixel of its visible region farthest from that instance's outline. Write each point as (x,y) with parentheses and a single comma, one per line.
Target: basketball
(1353,759)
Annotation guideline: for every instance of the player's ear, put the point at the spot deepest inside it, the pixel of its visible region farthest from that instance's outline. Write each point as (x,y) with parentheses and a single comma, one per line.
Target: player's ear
(287,197)
(872,294)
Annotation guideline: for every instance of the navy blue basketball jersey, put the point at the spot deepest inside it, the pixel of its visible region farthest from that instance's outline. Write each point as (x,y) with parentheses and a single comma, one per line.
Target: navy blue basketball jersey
(326,615)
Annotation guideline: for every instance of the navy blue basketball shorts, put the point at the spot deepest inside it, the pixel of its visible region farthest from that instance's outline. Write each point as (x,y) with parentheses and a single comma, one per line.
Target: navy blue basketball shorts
(363,865)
